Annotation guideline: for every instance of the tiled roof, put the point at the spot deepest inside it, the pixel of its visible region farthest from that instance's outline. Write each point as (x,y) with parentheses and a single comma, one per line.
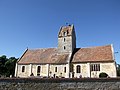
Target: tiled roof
(43,56)
(94,54)
(50,55)
(67,29)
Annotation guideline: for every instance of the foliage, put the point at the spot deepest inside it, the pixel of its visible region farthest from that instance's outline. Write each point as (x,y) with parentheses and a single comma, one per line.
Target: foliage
(118,69)
(7,65)
(103,75)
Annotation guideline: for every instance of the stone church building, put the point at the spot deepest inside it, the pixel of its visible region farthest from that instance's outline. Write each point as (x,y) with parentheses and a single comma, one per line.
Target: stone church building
(66,60)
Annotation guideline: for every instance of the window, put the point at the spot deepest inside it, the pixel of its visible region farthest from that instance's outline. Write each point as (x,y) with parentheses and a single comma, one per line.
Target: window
(95,67)
(38,69)
(64,33)
(64,69)
(55,69)
(64,39)
(23,68)
(64,47)
(78,69)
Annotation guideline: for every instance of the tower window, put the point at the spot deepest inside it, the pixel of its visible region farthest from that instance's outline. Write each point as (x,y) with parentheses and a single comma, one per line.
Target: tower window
(64,34)
(64,39)
(55,69)
(64,47)
(23,68)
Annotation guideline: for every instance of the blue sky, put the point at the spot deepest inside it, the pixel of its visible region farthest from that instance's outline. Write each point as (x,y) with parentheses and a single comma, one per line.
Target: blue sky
(35,23)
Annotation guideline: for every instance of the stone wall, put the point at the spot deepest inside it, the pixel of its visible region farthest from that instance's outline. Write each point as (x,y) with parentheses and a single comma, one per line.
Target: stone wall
(59,84)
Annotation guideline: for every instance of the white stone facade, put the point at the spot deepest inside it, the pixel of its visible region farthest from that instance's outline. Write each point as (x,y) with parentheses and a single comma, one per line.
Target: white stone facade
(108,68)
(47,70)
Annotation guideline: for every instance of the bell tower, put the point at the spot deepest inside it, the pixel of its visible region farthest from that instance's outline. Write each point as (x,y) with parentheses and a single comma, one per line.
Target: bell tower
(66,39)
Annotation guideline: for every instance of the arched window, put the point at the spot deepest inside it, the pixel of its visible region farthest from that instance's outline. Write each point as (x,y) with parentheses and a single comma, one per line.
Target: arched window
(64,33)
(38,69)
(78,69)
(23,68)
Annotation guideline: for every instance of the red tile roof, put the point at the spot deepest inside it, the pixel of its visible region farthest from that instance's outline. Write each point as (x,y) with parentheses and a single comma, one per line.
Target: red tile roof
(50,55)
(94,54)
(43,56)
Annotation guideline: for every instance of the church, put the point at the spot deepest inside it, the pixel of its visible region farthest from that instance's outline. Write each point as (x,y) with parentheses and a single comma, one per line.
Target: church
(67,61)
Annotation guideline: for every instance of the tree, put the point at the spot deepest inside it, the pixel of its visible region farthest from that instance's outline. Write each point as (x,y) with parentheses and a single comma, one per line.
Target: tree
(7,66)
(118,69)
(3,59)
(10,66)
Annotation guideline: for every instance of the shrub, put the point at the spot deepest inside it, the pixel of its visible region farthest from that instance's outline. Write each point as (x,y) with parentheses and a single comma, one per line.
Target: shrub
(103,75)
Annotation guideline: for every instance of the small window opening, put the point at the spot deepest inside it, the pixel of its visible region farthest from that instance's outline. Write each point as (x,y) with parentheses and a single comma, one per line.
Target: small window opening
(64,69)
(55,69)
(64,47)
(64,39)
(64,33)
(38,69)
(23,68)
(78,69)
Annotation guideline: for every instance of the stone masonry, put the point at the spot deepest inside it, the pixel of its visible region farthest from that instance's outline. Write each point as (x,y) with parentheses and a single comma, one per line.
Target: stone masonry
(60,84)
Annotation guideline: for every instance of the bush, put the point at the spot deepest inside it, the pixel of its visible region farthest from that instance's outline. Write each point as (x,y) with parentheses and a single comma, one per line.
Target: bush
(103,75)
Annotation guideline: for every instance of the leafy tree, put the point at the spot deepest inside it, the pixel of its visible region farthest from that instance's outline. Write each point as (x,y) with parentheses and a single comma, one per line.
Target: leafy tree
(7,66)
(118,69)
(3,59)
(10,66)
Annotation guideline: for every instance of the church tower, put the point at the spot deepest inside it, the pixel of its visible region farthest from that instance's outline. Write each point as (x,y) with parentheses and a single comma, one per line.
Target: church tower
(66,39)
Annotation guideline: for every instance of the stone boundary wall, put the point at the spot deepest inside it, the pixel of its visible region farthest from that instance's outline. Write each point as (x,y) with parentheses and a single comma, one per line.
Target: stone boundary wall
(59,84)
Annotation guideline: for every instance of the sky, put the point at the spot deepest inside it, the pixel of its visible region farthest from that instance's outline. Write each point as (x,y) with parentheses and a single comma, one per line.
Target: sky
(36,23)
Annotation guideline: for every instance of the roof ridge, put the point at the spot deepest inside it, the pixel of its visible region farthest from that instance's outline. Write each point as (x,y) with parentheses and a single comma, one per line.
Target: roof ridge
(96,46)
(43,48)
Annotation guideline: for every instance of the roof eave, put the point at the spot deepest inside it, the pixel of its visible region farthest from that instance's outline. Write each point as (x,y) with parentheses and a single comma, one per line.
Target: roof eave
(93,61)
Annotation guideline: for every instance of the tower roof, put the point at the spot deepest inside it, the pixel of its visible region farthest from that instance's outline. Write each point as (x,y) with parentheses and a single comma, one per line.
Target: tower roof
(66,30)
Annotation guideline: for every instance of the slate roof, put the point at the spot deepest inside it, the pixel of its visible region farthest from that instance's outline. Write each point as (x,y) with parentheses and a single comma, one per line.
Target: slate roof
(94,54)
(42,56)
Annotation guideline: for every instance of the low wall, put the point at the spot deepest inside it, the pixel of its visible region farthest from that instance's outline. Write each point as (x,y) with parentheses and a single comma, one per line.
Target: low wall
(59,84)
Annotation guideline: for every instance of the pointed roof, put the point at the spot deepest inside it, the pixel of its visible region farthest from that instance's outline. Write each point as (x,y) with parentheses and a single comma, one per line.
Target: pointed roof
(43,56)
(50,55)
(94,54)
(68,29)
